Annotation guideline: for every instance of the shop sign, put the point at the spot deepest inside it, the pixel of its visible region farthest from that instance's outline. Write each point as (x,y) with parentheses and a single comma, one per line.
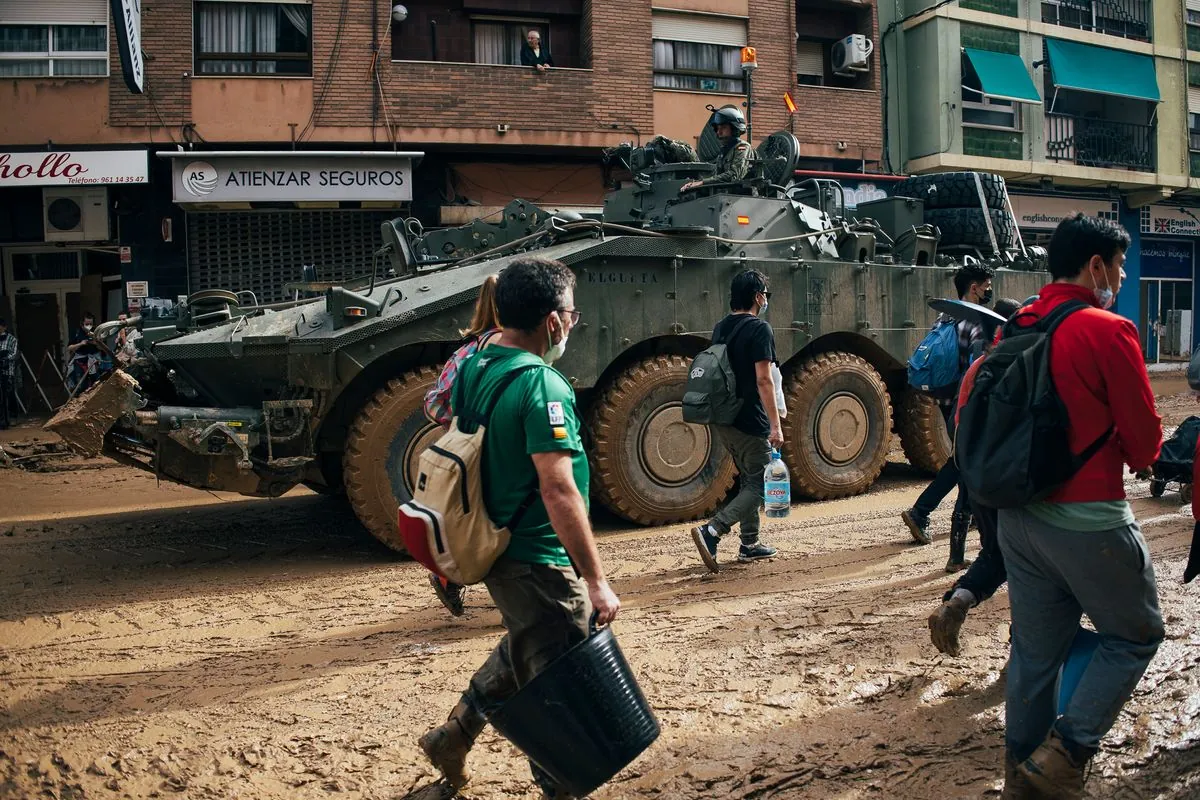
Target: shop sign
(127,19)
(137,289)
(74,168)
(863,192)
(126,254)
(1170,221)
(1161,259)
(282,178)
(1044,213)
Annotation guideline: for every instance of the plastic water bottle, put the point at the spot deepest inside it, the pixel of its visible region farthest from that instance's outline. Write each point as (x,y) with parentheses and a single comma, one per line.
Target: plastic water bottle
(777,488)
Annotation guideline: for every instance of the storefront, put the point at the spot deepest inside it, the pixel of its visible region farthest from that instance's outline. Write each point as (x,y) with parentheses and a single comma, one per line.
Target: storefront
(59,246)
(256,218)
(1038,215)
(1166,281)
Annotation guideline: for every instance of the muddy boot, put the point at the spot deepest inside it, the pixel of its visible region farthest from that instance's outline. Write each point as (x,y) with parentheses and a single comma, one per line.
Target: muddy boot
(958,543)
(918,526)
(1054,770)
(1017,785)
(945,623)
(447,745)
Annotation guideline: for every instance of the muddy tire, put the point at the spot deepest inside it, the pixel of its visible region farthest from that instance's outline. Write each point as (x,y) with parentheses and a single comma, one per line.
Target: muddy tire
(838,428)
(953,189)
(922,431)
(966,226)
(386,438)
(648,465)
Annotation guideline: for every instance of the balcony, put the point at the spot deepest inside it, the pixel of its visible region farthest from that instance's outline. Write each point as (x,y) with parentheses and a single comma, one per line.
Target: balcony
(1129,19)
(1091,142)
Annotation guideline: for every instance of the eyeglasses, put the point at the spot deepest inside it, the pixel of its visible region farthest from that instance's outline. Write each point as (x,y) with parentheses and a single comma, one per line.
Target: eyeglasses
(766,295)
(574,313)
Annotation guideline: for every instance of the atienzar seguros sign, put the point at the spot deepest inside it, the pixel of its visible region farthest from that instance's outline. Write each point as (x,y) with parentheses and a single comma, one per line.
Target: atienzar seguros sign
(74,168)
(127,20)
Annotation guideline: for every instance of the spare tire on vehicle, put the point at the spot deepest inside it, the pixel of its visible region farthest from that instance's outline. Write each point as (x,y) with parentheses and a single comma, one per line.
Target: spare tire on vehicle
(966,226)
(953,189)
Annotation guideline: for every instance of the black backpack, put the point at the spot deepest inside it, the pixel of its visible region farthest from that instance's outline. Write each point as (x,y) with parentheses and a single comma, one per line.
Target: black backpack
(710,397)
(1011,445)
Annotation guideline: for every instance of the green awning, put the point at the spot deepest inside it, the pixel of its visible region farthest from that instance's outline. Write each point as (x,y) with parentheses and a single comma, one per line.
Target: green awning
(1088,68)
(1002,76)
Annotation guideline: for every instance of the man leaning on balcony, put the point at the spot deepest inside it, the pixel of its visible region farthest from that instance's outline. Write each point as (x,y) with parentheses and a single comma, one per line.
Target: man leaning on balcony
(533,54)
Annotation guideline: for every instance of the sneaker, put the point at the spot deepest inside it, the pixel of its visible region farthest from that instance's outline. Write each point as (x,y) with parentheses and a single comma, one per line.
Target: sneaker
(957,566)
(919,530)
(706,542)
(755,552)
(451,594)
(1053,771)
(945,623)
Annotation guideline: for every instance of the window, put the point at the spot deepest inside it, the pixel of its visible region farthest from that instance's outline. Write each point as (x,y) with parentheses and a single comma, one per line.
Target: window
(1194,131)
(1193,30)
(253,39)
(698,52)
(499,41)
(982,111)
(53,51)
(810,63)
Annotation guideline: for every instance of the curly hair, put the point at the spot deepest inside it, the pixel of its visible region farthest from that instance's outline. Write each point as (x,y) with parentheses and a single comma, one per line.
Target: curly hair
(529,289)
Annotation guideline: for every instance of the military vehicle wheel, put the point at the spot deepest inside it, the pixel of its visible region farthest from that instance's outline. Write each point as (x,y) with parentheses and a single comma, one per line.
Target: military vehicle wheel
(966,226)
(386,438)
(923,433)
(838,428)
(649,466)
(953,189)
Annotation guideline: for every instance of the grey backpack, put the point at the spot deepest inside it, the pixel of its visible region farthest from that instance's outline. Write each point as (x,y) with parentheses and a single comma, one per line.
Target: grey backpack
(711,397)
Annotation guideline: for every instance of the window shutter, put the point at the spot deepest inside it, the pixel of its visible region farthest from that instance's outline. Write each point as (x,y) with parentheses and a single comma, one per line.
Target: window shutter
(1194,99)
(54,12)
(1193,5)
(810,58)
(675,27)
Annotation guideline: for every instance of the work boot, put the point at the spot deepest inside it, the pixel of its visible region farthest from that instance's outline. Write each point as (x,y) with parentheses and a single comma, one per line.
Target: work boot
(1017,785)
(945,623)
(958,543)
(451,594)
(706,542)
(1054,771)
(447,745)
(918,526)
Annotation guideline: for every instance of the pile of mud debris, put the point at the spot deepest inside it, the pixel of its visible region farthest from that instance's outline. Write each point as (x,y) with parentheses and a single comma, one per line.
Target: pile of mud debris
(40,455)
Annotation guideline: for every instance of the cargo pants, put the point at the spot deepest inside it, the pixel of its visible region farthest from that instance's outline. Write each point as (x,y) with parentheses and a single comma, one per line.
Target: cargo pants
(545,611)
(751,454)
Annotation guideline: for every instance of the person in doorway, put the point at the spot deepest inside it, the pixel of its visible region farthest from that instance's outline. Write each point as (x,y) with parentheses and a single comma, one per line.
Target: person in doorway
(483,332)
(82,353)
(9,357)
(757,429)
(973,282)
(1081,551)
(534,55)
(550,579)
(733,162)
(986,573)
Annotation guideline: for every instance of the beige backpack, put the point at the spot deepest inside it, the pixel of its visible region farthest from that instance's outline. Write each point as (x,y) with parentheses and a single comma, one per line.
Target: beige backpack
(446,525)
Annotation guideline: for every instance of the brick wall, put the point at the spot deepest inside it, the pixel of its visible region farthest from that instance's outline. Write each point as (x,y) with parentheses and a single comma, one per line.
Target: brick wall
(167,45)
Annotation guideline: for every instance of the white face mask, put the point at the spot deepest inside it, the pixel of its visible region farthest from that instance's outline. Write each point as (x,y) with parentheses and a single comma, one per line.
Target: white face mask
(87,327)
(1105,296)
(556,351)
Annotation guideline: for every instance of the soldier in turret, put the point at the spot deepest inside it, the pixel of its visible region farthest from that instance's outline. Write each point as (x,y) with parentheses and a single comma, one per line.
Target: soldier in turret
(733,162)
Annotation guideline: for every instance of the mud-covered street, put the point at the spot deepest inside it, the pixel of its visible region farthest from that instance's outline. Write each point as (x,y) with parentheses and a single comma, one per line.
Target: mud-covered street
(159,641)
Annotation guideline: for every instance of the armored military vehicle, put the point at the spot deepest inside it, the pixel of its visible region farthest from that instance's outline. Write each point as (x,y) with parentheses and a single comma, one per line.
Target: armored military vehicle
(327,391)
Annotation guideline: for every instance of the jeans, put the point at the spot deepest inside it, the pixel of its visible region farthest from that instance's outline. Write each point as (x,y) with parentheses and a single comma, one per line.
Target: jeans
(1055,576)
(986,573)
(751,454)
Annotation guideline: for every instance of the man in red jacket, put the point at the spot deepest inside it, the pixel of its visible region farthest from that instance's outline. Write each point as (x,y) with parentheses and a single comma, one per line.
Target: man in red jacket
(1080,550)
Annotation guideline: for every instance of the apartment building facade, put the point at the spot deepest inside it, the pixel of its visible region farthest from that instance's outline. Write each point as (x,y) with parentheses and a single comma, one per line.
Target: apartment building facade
(276,134)
(1089,105)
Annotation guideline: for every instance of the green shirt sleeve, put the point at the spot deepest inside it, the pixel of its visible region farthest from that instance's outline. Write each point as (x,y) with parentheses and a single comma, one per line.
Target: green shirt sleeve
(550,418)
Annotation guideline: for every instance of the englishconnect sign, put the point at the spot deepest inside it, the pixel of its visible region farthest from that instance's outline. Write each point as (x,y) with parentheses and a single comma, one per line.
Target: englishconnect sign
(241,178)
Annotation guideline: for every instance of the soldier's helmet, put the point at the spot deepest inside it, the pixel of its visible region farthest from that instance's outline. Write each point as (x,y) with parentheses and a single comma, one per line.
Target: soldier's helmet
(729,115)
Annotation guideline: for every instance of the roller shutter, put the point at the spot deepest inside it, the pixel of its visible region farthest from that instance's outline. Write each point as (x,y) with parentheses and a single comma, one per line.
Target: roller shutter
(51,12)
(261,251)
(810,58)
(675,27)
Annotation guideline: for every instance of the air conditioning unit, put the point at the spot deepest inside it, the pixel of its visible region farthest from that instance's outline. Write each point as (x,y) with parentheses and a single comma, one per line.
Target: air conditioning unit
(851,54)
(72,214)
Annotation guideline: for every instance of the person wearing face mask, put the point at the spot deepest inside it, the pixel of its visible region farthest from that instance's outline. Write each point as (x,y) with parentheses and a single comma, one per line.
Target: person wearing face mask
(81,350)
(756,430)
(550,578)
(1080,551)
(973,282)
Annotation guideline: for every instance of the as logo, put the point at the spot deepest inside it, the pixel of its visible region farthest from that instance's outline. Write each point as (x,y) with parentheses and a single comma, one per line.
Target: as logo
(698,372)
(199,178)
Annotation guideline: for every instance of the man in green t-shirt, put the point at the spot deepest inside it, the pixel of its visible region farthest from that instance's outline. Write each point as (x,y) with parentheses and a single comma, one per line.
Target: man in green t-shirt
(535,479)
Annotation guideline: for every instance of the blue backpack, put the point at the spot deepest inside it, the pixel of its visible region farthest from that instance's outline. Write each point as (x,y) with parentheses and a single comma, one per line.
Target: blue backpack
(934,366)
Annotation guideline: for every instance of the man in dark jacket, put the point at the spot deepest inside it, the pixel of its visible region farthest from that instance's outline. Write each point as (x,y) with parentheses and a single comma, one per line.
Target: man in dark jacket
(733,162)
(1081,551)
(533,54)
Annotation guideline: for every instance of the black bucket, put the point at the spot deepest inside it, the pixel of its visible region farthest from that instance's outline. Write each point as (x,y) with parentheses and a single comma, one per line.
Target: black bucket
(583,718)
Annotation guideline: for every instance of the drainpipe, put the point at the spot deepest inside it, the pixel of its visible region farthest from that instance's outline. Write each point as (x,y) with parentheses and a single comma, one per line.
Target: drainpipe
(1183,44)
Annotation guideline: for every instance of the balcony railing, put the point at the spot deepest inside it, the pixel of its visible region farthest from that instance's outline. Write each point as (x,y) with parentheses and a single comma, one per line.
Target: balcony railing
(1129,19)
(1092,142)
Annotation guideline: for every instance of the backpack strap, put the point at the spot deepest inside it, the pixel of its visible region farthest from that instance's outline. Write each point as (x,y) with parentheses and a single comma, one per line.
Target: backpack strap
(476,418)
(741,323)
